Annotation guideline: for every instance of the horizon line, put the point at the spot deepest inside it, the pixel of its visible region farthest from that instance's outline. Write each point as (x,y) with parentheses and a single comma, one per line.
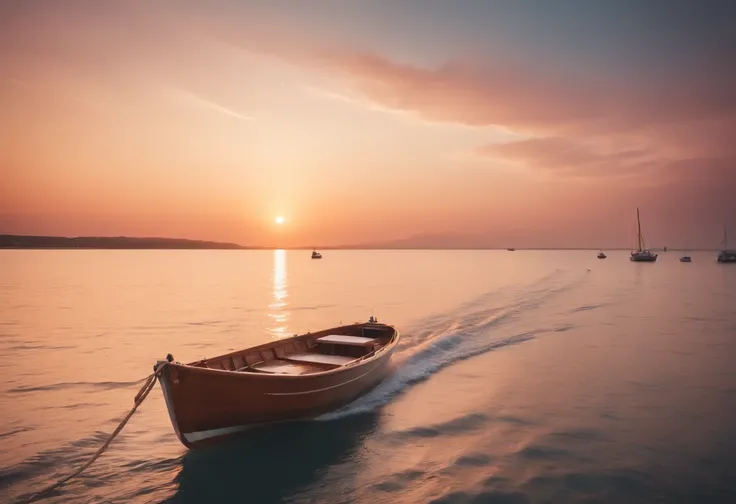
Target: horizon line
(198,244)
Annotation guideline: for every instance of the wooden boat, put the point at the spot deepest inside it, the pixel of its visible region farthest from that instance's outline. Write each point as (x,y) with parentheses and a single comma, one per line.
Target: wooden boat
(641,254)
(294,378)
(601,255)
(316,255)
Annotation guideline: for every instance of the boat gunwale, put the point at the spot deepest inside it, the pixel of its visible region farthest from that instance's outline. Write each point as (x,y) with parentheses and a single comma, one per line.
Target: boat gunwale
(358,362)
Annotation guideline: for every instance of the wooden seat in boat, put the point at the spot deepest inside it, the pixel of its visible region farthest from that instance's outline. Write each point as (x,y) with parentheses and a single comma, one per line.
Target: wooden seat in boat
(341,339)
(316,358)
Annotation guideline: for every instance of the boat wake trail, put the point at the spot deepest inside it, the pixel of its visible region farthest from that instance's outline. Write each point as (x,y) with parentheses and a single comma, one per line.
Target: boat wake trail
(471,329)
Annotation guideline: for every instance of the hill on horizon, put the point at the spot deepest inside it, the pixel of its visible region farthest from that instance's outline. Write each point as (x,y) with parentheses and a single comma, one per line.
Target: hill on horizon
(110,242)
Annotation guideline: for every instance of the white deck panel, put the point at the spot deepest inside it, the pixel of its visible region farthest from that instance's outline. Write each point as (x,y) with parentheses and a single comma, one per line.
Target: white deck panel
(341,339)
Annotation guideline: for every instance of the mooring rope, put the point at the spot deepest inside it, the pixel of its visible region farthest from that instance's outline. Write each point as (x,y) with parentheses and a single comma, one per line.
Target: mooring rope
(138,400)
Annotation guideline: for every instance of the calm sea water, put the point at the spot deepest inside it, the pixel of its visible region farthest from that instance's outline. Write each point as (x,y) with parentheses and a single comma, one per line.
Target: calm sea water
(523,377)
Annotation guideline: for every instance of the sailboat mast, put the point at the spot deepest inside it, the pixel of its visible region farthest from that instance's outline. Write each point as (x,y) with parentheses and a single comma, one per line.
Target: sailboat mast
(725,239)
(638,225)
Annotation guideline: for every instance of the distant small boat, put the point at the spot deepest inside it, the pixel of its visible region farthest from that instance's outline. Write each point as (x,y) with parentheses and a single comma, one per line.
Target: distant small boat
(511,249)
(316,255)
(725,255)
(641,254)
(294,378)
(686,259)
(601,255)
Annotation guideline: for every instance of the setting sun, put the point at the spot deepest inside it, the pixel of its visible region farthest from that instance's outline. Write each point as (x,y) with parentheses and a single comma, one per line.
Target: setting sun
(279,220)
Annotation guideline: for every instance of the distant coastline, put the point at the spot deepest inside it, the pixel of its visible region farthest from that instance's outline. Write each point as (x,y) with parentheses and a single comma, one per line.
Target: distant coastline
(8,241)
(110,242)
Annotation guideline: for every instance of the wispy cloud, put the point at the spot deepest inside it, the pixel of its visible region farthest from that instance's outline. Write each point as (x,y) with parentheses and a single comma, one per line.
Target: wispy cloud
(355,98)
(502,94)
(197,100)
(568,157)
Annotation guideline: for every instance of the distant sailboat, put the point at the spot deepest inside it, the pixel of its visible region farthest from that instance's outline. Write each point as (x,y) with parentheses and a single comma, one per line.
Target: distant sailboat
(686,258)
(641,254)
(725,255)
(316,255)
(601,255)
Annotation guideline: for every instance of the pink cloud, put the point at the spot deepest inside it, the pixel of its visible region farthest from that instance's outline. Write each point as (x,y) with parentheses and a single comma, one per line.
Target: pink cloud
(568,157)
(531,99)
(686,113)
(543,99)
(461,94)
(579,125)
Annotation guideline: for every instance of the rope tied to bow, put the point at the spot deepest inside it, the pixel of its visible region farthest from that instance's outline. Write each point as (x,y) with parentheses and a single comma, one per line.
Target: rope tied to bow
(138,400)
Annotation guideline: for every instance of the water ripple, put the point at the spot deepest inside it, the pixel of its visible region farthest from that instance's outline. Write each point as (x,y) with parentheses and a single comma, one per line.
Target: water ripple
(106,385)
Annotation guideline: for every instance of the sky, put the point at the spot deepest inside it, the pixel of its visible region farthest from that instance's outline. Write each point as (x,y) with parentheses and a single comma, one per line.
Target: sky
(489,123)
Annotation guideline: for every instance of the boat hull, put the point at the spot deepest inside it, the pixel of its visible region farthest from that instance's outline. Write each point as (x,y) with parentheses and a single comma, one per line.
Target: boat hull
(643,257)
(727,257)
(208,405)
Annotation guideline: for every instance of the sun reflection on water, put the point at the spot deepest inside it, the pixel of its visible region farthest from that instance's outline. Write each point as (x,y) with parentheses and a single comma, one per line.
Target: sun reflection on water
(278,313)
